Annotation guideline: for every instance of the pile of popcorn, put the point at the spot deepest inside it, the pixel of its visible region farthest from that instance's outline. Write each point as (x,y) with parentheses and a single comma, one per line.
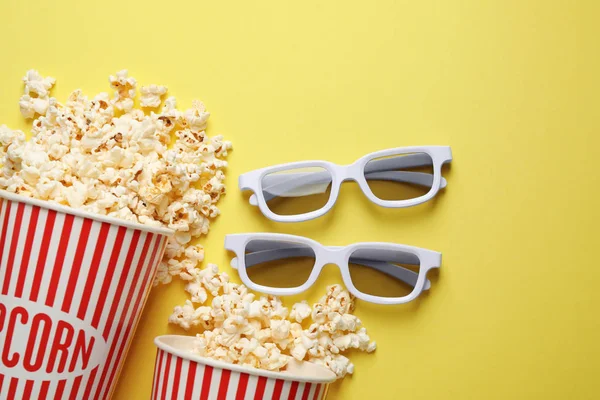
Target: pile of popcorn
(262,333)
(105,156)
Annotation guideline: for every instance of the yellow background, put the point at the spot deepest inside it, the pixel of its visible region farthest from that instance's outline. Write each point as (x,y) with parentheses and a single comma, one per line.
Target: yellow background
(512,86)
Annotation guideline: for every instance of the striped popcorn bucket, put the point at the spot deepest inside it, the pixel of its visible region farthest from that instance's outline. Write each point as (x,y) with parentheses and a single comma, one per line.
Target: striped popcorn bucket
(180,374)
(72,289)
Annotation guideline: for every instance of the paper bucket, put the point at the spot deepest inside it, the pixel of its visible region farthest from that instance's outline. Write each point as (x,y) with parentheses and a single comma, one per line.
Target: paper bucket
(181,375)
(72,289)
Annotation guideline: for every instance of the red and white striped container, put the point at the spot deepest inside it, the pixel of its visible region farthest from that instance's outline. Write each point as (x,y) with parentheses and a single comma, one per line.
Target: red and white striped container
(181,375)
(72,288)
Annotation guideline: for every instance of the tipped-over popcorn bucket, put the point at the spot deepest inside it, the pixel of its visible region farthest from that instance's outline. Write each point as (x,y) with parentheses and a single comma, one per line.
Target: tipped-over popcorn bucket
(180,374)
(72,289)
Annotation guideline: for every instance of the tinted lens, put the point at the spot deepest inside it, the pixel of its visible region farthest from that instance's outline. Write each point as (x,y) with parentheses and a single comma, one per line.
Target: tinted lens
(279,264)
(297,191)
(384,273)
(400,177)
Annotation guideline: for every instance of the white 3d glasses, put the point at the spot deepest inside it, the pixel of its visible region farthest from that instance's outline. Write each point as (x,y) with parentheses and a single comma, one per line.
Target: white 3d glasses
(383,273)
(301,191)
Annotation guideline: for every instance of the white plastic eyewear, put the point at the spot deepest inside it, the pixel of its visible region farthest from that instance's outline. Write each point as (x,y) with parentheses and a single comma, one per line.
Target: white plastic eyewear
(255,251)
(315,185)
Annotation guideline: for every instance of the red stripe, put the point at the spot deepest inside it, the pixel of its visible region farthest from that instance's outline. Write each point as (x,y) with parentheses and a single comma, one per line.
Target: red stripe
(112,315)
(159,374)
(224,384)
(177,378)
(161,243)
(28,390)
(60,388)
(136,314)
(93,271)
(151,267)
(84,235)
(242,385)
(158,250)
(140,301)
(163,395)
(12,388)
(155,373)
(317,390)
(110,271)
(208,370)
(293,390)
(13,247)
(1,382)
(260,388)
(60,259)
(75,388)
(161,246)
(189,384)
(122,280)
(44,390)
(123,323)
(277,389)
(39,269)
(35,211)
(90,383)
(307,387)
(4,229)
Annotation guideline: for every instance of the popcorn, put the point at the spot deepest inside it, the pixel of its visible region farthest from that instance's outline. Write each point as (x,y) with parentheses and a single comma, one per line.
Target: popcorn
(30,106)
(197,292)
(37,84)
(187,316)
(104,156)
(196,117)
(338,300)
(212,279)
(359,340)
(300,311)
(202,280)
(262,334)
(274,359)
(273,308)
(162,274)
(232,330)
(280,332)
(35,99)
(337,363)
(338,322)
(195,253)
(125,88)
(303,344)
(150,95)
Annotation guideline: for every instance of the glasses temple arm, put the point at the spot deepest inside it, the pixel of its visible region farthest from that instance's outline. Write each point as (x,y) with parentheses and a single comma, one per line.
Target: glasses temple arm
(398,162)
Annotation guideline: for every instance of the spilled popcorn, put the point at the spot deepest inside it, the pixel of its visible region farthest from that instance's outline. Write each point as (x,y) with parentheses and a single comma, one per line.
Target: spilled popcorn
(262,333)
(104,156)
